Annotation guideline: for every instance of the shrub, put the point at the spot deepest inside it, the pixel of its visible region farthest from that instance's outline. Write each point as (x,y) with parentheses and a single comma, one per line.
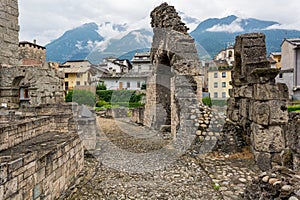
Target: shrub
(119,96)
(81,97)
(101,103)
(68,97)
(101,86)
(144,86)
(206,101)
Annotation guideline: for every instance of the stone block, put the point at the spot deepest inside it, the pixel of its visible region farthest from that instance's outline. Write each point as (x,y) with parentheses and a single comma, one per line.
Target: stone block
(263,160)
(267,140)
(278,112)
(244,107)
(260,113)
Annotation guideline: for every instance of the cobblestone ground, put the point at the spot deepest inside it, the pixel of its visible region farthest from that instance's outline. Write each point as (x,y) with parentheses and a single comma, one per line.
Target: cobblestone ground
(149,170)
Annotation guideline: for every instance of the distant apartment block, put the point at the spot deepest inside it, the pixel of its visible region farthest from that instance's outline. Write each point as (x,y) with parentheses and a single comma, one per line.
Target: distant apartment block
(290,66)
(219,82)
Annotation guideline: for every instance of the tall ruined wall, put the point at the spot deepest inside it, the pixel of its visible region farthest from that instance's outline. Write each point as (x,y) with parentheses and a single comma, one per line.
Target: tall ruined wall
(9,29)
(173,54)
(257,103)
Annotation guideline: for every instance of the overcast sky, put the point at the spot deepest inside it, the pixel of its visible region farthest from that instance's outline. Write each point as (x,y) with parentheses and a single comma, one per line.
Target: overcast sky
(45,20)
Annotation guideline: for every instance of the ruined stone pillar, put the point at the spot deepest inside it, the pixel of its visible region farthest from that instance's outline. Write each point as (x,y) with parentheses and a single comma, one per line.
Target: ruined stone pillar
(257,103)
(176,77)
(9,28)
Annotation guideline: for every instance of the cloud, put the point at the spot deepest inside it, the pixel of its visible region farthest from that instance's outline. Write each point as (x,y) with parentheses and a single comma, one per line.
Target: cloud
(234,27)
(47,20)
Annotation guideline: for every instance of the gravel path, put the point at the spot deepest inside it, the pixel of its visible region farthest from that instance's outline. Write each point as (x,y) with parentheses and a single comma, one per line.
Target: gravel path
(133,162)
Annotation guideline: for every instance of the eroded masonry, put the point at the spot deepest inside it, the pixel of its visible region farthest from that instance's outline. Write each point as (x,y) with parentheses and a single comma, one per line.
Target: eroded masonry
(41,153)
(176,82)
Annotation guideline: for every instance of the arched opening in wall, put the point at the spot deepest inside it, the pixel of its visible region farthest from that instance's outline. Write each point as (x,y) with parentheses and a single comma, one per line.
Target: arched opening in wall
(163,85)
(230,54)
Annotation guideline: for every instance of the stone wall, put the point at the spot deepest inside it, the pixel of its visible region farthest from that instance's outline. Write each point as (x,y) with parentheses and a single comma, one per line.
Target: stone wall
(257,103)
(44,85)
(290,157)
(9,29)
(137,115)
(41,168)
(176,64)
(41,152)
(31,54)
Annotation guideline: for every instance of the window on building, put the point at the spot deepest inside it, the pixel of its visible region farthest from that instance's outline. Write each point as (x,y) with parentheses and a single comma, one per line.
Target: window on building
(128,84)
(215,95)
(216,75)
(223,84)
(138,84)
(66,75)
(120,85)
(223,74)
(77,82)
(215,84)
(85,83)
(78,75)
(281,75)
(66,85)
(223,95)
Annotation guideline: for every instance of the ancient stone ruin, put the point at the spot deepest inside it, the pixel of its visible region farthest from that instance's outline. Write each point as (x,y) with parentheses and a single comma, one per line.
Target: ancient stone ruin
(41,153)
(259,105)
(9,28)
(176,82)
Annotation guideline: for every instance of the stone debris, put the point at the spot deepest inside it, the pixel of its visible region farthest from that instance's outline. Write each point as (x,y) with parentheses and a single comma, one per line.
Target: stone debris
(278,183)
(190,176)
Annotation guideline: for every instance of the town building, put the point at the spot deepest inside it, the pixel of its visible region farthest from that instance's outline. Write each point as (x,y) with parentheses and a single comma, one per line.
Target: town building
(290,66)
(276,56)
(31,53)
(141,62)
(77,63)
(219,78)
(226,55)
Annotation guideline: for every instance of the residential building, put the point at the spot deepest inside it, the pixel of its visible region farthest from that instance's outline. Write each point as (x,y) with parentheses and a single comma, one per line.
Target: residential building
(219,78)
(226,55)
(31,53)
(77,63)
(142,62)
(129,81)
(276,56)
(76,77)
(117,66)
(290,66)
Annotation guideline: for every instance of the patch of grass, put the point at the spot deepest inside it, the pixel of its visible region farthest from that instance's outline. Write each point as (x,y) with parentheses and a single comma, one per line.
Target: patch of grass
(216,186)
(294,108)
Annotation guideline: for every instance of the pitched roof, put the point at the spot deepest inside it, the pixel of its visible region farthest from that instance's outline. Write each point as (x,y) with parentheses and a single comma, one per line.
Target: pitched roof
(293,41)
(75,70)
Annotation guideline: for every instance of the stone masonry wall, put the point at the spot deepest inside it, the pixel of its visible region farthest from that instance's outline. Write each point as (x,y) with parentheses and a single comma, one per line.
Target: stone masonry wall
(42,168)
(257,103)
(173,55)
(9,29)
(290,157)
(41,152)
(45,85)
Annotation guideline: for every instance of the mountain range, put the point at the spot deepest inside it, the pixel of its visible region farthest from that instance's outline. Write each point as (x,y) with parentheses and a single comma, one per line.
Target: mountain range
(94,42)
